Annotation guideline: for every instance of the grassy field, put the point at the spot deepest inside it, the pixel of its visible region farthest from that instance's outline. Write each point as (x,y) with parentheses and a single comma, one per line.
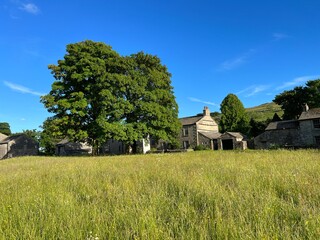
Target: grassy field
(197,195)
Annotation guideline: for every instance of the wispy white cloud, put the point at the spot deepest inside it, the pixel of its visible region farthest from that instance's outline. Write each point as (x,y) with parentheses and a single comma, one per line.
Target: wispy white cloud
(192,99)
(22,89)
(232,63)
(253,90)
(30,8)
(14,7)
(279,36)
(297,81)
(236,62)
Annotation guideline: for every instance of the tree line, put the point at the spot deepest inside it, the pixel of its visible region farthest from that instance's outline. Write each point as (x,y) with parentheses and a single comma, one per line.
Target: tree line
(98,94)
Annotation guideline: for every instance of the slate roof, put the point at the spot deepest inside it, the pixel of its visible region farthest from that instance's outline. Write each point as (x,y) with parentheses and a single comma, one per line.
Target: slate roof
(235,134)
(227,135)
(211,135)
(310,114)
(14,137)
(63,142)
(10,138)
(190,120)
(290,124)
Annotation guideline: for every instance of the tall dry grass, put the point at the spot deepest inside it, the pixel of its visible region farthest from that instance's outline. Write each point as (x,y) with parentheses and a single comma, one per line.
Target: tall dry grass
(198,195)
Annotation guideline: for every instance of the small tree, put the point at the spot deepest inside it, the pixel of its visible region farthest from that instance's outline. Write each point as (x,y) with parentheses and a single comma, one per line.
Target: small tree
(5,128)
(233,115)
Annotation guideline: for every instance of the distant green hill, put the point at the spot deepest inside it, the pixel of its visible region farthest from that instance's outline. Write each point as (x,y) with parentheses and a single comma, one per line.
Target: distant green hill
(264,111)
(258,113)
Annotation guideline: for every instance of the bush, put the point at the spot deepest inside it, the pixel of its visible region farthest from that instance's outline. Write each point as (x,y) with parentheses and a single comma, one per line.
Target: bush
(201,148)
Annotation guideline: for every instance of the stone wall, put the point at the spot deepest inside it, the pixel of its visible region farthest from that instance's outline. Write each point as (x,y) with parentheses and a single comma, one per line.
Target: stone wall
(191,137)
(284,137)
(73,149)
(308,132)
(204,141)
(22,146)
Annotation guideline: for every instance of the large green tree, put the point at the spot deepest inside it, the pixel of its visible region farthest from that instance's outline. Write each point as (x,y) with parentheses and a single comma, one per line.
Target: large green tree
(293,101)
(5,128)
(233,115)
(98,95)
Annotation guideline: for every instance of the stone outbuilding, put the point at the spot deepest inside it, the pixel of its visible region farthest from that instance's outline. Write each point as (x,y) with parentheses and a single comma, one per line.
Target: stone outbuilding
(17,145)
(301,133)
(232,140)
(67,148)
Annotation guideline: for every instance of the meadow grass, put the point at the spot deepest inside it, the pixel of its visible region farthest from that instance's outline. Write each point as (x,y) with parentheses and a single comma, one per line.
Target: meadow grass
(197,195)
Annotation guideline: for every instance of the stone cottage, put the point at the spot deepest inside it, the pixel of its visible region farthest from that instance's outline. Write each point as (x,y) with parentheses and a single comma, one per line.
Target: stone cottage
(203,130)
(301,133)
(198,130)
(17,145)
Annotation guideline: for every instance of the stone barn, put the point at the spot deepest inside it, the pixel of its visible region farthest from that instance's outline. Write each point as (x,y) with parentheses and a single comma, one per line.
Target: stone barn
(301,133)
(17,145)
(67,148)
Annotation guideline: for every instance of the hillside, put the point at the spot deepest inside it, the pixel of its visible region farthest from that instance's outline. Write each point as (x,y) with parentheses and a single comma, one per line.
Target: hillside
(264,111)
(258,113)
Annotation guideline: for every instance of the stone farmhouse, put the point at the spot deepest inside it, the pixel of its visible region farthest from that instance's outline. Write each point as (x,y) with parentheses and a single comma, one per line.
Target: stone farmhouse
(203,130)
(301,133)
(196,130)
(17,145)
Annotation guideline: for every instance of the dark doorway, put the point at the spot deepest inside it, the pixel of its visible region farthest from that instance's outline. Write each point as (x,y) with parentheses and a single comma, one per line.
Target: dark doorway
(227,144)
(215,144)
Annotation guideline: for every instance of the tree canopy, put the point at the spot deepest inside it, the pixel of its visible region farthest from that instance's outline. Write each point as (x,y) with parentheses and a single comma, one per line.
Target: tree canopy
(5,128)
(293,101)
(98,95)
(233,115)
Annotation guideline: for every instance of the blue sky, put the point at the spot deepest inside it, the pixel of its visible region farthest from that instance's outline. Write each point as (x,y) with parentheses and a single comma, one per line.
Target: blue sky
(254,49)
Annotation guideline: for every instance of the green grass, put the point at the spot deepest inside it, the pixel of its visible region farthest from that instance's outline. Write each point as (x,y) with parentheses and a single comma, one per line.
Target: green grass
(197,195)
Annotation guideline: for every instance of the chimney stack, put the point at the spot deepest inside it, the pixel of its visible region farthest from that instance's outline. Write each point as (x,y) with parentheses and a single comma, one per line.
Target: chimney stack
(206,111)
(306,108)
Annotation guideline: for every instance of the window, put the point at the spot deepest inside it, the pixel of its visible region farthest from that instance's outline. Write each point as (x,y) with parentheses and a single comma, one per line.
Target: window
(317,138)
(185,131)
(316,123)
